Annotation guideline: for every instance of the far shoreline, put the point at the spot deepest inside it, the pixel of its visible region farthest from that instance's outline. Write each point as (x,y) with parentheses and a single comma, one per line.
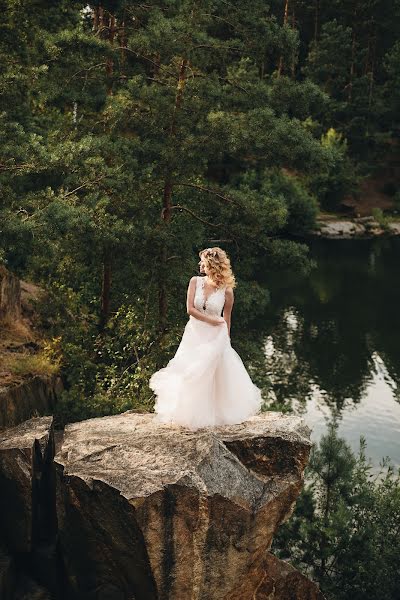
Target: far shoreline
(332,226)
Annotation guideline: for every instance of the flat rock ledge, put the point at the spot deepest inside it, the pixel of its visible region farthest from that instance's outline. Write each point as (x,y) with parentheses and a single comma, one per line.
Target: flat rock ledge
(155,511)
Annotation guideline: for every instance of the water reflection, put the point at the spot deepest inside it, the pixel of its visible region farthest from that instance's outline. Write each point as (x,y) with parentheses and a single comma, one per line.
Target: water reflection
(331,345)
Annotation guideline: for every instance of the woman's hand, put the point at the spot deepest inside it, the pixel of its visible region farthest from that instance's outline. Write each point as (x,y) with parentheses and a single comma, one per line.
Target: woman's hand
(218,321)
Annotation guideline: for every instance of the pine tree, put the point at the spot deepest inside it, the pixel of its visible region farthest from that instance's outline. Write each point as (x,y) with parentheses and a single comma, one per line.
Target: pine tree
(345,527)
(157,117)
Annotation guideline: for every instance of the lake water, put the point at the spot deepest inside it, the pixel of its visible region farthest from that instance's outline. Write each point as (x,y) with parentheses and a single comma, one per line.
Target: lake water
(332,344)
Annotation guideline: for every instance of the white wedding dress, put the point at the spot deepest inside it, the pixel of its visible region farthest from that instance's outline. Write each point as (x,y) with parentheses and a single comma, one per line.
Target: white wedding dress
(206,382)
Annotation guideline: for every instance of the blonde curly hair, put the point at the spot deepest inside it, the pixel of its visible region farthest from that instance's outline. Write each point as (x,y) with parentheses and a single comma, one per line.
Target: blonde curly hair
(218,266)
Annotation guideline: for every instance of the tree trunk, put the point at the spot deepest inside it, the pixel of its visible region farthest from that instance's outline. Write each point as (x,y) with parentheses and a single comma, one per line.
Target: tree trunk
(285,18)
(293,69)
(110,62)
(371,81)
(95,18)
(123,43)
(353,55)
(316,20)
(101,18)
(167,196)
(104,24)
(105,291)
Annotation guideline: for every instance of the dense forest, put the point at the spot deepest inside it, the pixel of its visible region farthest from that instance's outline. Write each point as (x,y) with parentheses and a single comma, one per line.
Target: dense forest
(135,134)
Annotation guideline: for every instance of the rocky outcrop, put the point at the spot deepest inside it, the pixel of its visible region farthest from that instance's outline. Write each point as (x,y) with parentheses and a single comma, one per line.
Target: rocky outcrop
(357,227)
(36,396)
(28,522)
(150,511)
(27,512)
(28,387)
(283,582)
(7,574)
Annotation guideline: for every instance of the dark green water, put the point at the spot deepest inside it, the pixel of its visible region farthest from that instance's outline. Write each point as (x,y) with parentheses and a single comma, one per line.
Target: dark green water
(333,342)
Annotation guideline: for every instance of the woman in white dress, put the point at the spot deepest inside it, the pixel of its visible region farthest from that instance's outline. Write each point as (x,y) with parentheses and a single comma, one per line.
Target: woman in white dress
(206,382)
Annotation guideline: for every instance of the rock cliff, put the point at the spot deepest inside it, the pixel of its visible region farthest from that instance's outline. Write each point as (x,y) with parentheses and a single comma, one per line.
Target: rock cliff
(165,513)
(27,387)
(148,511)
(36,396)
(28,523)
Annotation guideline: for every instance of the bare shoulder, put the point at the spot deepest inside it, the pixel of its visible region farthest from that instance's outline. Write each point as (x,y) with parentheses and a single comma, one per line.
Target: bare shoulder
(193,280)
(229,292)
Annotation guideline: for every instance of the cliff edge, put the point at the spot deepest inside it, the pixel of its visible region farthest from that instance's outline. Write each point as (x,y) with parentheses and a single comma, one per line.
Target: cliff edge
(130,509)
(153,511)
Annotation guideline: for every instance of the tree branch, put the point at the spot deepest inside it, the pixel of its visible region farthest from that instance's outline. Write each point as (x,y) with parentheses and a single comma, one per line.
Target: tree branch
(153,62)
(210,191)
(84,71)
(232,83)
(84,184)
(157,81)
(184,208)
(16,167)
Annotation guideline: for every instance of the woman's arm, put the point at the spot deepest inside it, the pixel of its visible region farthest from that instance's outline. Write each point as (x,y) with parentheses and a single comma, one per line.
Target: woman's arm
(229,300)
(191,310)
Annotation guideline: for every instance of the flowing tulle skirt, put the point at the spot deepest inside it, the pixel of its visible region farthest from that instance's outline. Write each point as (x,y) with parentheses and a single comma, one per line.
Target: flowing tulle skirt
(206,383)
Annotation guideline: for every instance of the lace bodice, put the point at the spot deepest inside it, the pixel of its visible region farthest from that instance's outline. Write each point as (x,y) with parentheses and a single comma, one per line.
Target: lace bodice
(213,303)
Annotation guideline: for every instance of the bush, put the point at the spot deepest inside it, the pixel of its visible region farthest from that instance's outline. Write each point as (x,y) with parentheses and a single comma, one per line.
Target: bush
(108,373)
(301,205)
(380,218)
(339,178)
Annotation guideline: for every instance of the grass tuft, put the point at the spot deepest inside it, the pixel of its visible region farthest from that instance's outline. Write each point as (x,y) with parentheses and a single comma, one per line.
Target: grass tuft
(21,364)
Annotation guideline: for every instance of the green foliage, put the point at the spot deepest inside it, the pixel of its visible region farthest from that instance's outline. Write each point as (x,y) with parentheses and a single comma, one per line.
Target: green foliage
(332,75)
(302,206)
(118,370)
(133,136)
(22,364)
(344,531)
(350,53)
(128,354)
(380,218)
(103,373)
(338,178)
(392,85)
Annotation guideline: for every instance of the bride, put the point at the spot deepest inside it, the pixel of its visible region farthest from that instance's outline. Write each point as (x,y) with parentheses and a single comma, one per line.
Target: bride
(206,382)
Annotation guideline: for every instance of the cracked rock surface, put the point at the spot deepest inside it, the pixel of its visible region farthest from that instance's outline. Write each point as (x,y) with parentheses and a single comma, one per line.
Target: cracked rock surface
(28,525)
(156,511)
(27,511)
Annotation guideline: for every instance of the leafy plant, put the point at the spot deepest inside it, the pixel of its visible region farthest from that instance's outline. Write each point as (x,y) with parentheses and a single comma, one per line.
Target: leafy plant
(380,218)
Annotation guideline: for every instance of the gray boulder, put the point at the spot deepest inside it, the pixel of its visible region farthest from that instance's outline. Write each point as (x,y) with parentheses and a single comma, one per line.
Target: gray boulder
(153,511)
